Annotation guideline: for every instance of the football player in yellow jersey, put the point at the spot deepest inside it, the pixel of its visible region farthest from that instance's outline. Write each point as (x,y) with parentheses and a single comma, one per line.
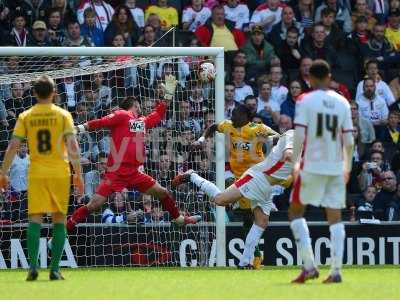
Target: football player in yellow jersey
(246,140)
(50,134)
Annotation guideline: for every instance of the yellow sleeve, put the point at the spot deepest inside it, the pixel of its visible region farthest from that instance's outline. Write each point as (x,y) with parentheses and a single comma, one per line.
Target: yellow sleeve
(174,20)
(265,130)
(68,124)
(148,11)
(20,129)
(223,126)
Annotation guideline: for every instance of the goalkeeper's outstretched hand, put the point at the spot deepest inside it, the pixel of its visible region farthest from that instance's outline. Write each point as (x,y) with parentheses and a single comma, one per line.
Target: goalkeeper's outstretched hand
(169,87)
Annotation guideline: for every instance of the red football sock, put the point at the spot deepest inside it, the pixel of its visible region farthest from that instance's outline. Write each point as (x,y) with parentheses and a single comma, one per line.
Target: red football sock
(168,203)
(78,216)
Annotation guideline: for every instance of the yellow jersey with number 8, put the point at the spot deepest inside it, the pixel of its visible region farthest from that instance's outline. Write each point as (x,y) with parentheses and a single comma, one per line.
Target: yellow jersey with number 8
(45,126)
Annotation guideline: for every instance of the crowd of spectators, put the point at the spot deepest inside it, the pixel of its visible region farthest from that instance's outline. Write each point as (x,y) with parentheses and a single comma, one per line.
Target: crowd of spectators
(269,47)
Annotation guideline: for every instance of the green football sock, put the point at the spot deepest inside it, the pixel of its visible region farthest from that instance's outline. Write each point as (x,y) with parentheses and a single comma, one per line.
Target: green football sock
(58,245)
(33,237)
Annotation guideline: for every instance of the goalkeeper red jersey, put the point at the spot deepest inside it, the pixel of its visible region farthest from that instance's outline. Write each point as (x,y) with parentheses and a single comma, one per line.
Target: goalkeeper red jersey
(128,131)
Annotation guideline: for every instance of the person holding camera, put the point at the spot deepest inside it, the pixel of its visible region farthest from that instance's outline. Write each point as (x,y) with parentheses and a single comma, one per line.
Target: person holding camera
(372,169)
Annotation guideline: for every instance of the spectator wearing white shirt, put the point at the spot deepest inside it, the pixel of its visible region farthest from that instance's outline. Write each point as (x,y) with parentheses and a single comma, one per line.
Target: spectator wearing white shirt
(267,15)
(382,88)
(195,15)
(266,108)
(278,91)
(104,12)
(371,106)
(237,13)
(19,170)
(241,88)
(137,12)
(92,178)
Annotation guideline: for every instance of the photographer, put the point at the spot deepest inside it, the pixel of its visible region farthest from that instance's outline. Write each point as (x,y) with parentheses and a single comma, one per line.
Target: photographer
(372,170)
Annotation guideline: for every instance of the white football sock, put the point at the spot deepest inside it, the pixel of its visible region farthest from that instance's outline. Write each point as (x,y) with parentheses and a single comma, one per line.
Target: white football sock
(338,235)
(206,186)
(303,241)
(252,239)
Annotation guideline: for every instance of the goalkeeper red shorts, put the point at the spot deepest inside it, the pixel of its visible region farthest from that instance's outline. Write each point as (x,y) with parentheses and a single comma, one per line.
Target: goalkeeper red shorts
(114,182)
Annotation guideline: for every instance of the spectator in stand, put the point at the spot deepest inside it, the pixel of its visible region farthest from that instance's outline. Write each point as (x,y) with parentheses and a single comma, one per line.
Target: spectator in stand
(365,205)
(168,14)
(361,9)
(259,52)
(379,47)
(230,102)
(304,13)
(33,9)
(382,89)
(217,32)
(380,9)
(39,37)
(198,104)
(317,48)
(366,128)
(267,15)
(390,134)
(89,30)
(383,200)
(267,109)
(278,91)
(195,16)
(19,33)
(122,23)
(237,13)
(137,13)
(241,88)
(64,7)
(288,107)
(304,74)
(103,93)
(340,89)
(285,123)
(155,22)
(392,212)
(394,5)
(360,36)
(251,103)
(18,102)
(334,34)
(343,17)
(70,92)
(392,32)
(74,37)
(395,88)
(183,119)
(373,107)
(120,210)
(289,52)
(164,170)
(104,12)
(149,36)
(372,171)
(56,29)
(279,31)
(93,177)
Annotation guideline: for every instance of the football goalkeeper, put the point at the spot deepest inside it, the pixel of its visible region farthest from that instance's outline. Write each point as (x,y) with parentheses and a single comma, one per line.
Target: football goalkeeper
(127,155)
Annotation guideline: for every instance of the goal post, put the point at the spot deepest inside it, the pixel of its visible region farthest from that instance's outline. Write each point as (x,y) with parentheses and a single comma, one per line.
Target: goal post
(216,54)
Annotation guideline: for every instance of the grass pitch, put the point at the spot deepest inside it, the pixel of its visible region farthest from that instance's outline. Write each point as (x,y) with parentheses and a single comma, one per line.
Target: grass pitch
(382,283)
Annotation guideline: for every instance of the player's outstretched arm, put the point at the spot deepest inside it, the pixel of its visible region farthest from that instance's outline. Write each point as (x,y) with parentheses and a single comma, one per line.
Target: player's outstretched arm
(74,155)
(209,132)
(11,151)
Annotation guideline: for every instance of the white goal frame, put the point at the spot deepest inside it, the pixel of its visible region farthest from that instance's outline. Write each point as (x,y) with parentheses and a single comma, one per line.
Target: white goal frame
(217,54)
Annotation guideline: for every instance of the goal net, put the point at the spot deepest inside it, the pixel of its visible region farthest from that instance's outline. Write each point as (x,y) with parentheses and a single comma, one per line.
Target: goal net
(131,229)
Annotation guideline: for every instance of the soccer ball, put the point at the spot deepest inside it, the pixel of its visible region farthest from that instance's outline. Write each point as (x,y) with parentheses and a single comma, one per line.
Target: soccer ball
(207,72)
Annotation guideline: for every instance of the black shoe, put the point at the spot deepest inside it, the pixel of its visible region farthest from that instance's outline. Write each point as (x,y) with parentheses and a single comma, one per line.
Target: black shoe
(247,267)
(55,275)
(32,275)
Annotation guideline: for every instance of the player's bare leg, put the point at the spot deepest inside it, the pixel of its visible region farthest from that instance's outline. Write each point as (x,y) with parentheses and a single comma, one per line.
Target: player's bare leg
(168,203)
(57,246)
(253,237)
(33,239)
(303,241)
(338,236)
(83,212)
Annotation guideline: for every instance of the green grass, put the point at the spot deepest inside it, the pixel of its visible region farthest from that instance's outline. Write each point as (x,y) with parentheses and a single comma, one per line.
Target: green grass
(272,283)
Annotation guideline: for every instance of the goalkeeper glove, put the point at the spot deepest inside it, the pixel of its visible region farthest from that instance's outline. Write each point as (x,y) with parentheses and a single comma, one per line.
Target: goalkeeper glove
(169,86)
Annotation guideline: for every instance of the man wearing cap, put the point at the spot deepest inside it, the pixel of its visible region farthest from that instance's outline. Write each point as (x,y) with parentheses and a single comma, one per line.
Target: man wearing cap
(39,36)
(392,32)
(258,51)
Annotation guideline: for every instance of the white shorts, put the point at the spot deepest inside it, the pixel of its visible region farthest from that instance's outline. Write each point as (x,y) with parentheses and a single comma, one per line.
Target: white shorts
(319,190)
(257,189)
